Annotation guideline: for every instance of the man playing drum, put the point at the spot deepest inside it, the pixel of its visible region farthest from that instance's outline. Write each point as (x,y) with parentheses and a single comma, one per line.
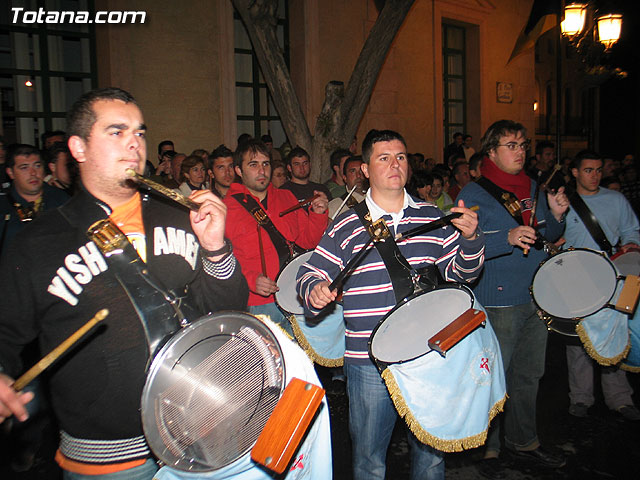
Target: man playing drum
(263,243)
(369,294)
(54,279)
(620,225)
(505,201)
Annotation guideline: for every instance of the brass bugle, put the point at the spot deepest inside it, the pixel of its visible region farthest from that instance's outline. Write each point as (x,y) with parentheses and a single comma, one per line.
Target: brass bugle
(301,203)
(167,192)
(54,354)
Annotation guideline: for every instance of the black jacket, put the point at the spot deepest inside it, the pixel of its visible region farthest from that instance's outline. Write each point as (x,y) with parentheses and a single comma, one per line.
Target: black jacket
(53,279)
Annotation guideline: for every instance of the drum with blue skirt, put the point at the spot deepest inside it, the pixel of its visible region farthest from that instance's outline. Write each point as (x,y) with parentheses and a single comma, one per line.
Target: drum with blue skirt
(447,400)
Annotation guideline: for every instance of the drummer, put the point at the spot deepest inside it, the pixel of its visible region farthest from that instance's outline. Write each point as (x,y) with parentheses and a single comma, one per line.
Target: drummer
(457,251)
(620,225)
(353,177)
(54,279)
(263,251)
(504,194)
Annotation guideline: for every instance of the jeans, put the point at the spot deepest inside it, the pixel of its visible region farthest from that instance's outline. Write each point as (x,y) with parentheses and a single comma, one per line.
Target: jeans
(523,342)
(272,310)
(143,472)
(615,387)
(372,417)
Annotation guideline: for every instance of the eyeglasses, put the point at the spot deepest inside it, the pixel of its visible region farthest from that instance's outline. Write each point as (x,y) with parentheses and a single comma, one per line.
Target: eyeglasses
(513,146)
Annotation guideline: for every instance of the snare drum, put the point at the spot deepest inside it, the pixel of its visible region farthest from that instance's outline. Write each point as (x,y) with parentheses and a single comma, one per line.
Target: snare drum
(321,337)
(627,263)
(211,389)
(572,285)
(447,401)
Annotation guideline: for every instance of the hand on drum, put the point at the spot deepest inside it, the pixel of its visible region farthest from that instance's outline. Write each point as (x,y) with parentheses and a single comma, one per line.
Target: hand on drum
(320,204)
(265,286)
(12,402)
(522,236)
(321,296)
(558,203)
(467,223)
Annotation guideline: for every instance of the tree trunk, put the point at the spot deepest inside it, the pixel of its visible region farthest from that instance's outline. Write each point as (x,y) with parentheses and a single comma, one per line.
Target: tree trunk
(343,108)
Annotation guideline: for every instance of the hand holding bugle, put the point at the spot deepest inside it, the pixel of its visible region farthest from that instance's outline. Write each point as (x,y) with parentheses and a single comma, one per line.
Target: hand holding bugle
(54,354)
(301,203)
(167,192)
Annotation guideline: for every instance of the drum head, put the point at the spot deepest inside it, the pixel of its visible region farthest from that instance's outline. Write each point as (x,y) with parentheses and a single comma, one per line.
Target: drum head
(574,284)
(287,297)
(627,263)
(210,391)
(403,333)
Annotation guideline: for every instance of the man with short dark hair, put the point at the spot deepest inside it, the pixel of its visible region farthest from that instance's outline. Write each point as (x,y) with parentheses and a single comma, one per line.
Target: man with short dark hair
(453,148)
(264,243)
(456,250)
(335,184)
(28,195)
(620,225)
(299,166)
(62,167)
(49,138)
(353,177)
(57,275)
(504,194)
(545,156)
(461,176)
(222,172)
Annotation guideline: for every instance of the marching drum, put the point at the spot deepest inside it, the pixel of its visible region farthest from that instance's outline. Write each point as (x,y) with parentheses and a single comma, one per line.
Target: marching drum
(627,263)
(446,400)
(321,337)
(210,391)
(580,293)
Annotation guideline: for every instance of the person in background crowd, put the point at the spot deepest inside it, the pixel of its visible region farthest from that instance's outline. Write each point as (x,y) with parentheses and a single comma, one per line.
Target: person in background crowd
(335,184)
(193,175)
(461,176)
(612,183)
(467,148)
(475,165)
(62,167)
(274,153)
(453,148)
(49,138)
(299,167)
(279,175)
(221,173)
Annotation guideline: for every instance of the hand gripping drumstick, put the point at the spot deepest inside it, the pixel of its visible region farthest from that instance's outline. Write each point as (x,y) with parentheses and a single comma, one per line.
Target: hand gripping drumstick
(54,354)
(301,203)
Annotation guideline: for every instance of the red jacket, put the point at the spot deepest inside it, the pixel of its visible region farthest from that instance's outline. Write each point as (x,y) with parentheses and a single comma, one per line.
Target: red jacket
(299,227)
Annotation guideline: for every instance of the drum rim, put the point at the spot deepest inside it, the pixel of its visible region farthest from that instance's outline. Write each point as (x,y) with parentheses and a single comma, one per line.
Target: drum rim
(290,261)
(448,286)
(570,250)
(146,404)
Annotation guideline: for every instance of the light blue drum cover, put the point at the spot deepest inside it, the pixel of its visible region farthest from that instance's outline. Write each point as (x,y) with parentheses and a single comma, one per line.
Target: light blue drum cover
(448,402)
(312,461)
(321,337)
(605,334)
(632,362)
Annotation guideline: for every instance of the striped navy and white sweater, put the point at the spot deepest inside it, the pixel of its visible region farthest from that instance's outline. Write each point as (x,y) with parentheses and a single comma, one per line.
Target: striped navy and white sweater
(367,293)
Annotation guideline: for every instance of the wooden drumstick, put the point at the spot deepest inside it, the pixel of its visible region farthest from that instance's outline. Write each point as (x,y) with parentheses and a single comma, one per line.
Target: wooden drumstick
(263,262)
(346,199)
(54,354)
(301,203)
(534,206)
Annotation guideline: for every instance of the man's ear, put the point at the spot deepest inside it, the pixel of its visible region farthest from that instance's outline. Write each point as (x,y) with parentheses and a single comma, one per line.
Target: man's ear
(289,168)
(574,172)
(77,147)
(10,173)
(238,171)
(365,169)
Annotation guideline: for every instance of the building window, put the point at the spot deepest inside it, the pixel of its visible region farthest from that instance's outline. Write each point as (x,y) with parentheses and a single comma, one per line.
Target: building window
(454,77)
(44,68)
(256,113)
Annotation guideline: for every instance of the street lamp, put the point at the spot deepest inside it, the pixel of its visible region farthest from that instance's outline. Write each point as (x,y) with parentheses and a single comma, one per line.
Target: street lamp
(574,16)
(609,27)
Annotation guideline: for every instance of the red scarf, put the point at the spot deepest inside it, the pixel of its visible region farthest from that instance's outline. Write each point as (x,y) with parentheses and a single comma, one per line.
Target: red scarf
(518,184)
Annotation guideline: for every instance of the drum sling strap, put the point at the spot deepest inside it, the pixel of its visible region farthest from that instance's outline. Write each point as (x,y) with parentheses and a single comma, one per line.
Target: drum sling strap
(400,272)
(591,222)
(284,248)
(504,197)
(160,310)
